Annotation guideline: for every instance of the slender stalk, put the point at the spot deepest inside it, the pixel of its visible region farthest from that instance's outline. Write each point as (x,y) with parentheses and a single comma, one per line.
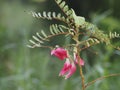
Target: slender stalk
(81,71)
(82,78)
(101,78)
(76,36)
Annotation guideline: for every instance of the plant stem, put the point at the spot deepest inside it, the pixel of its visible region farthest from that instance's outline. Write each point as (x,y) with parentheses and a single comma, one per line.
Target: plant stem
(81,71)
(82,78)
(111,75)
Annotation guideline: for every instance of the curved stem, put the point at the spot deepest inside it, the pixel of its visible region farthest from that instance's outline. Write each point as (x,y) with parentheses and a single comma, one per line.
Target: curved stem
(111,75)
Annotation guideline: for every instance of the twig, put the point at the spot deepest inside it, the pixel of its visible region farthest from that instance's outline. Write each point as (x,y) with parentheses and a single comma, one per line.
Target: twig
(103,77)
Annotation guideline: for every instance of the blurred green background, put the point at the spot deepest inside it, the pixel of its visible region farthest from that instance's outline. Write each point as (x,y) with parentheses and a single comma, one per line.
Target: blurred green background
(22,68)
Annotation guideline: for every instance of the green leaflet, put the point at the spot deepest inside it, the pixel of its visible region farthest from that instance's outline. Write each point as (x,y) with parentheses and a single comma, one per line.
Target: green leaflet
(66,8)
(51,31)
(56,29)
(37,39)
(59,15)
(62,4)
(34,44)
(78,20)
(43,33)
(58,1)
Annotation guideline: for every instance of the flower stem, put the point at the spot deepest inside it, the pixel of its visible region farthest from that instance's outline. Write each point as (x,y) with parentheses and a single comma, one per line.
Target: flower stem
(81,71)
(111,75)
(76,38)
(82,77)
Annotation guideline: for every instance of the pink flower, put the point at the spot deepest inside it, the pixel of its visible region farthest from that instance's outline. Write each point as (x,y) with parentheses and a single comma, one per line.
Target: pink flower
(60,53)
(82,63)
(68,69)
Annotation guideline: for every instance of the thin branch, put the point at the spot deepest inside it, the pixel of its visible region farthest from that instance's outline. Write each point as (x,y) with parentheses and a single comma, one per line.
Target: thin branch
(101,78)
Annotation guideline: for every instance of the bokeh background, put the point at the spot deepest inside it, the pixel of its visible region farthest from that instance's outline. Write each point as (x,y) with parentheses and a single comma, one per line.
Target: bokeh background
(22,68)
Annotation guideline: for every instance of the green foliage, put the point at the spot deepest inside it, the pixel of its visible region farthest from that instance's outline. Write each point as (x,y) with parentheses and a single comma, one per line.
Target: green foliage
(74,23)
(22,68)
(96,33)
(55,30)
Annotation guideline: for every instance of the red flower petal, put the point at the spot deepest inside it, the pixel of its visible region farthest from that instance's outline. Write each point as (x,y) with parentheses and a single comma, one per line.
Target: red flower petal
(60,53)
(68,69)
